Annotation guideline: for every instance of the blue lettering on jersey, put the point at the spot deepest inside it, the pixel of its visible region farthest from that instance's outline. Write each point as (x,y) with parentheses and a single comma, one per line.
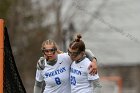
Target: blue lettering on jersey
(75,71)
(56,72)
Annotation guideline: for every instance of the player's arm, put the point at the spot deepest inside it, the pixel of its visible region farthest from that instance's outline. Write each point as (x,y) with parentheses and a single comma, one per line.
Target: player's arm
(93,66)
(90,55)
(96,83)
(38,87)
(41,63)
(38,82)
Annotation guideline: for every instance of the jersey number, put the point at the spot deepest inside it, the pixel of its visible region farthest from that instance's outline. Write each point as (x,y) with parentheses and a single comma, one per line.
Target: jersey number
(57,80)
(73,80)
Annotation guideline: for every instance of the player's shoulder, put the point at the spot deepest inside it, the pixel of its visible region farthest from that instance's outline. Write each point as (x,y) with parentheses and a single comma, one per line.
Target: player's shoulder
(63,55)
(86,62)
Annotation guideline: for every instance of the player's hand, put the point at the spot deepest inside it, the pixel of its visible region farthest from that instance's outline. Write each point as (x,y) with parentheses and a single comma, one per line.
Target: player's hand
(93,68)
(41,63)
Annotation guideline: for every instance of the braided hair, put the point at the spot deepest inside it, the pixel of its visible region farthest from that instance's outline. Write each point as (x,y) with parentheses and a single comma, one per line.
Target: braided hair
(51,42)
(77,44)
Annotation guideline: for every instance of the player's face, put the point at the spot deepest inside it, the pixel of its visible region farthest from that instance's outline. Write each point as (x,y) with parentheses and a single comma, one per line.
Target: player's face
(49,51)
(74,54)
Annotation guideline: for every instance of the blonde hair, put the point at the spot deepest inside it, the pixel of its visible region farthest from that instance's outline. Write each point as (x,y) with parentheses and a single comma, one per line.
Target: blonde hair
(51,42)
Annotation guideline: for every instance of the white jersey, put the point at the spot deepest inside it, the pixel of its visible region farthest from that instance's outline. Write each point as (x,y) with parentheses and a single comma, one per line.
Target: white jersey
(56,77)
(81,80)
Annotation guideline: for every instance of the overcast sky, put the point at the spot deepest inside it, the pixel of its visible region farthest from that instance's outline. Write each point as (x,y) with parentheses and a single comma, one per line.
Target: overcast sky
(114,36)
(111,28)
